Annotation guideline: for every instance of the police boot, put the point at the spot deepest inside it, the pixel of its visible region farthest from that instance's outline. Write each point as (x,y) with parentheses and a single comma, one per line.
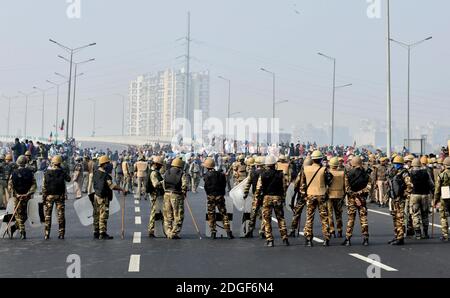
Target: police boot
(12,230)
(23,235)
(176,237)
(61,236)
(340,234)
(326,242)
(398,242)
(230,235)
(425,233)
(366,241)
(418,234)
(286,242)
(213,235)
(104,236)
(269,243)
(96,235)
(409,232)
(262,235)
(308,243)
(346,242)
(151,235)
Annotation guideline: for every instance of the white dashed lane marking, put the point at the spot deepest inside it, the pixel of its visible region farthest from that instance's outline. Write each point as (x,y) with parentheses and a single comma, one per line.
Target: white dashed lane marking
(136,202)
(137,220)
(137,237)
(137,209)
(373,262)
(134,263)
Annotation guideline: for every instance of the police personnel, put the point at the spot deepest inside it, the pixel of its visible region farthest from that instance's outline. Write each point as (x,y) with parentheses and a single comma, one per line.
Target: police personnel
(22,186)
(140,174)
(314,188)
(3,183)
(175,187)
(156,190)
(358,183)
(441,195)
(215,184)
(257,202)
(54,192)
(239,170)
(103,187)
(271,186)
(336,196)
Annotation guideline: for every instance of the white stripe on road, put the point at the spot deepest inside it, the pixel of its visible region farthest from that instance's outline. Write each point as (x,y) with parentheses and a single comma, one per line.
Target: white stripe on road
(373,262)
(388,214)
(134,263)
(137,220)
(137,237)
(136,202)
(201,187)
(301,233)
(137,209)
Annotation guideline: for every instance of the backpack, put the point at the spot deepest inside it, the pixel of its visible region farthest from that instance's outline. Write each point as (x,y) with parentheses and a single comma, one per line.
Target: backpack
(358,179)
(398,186)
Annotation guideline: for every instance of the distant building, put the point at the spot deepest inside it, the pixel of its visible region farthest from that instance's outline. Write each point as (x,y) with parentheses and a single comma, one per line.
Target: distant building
(156,100)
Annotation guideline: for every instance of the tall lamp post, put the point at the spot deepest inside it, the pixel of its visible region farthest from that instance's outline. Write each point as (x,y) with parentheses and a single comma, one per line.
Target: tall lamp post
(71,51)
(409,47)
(26,110)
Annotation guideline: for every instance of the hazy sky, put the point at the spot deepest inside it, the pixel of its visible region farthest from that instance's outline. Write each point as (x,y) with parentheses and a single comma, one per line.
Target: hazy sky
(232,38)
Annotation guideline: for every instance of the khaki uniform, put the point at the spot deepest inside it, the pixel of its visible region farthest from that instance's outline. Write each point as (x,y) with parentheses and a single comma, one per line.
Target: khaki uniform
(239,172)
(173,209)
(272,200)
(316,197)
(140,171)
(336,196)
(85,176)
(157,197)
(356,202)
(78,180)
(126,176)
(284,166)
(300,204)
(22,202)
(101,209)
(54,199)
(398,205)
(444,206)
(195,173)
(257,202)
(380,178)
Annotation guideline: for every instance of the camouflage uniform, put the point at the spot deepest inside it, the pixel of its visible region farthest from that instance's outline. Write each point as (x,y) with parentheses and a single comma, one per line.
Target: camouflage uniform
(444,206)
(272,199)
(336,200)
(157,196)
(299,205)
(52,196)
(239,172)
(398,203)
(174,204)
(419,202)
(316,197)
(356,201)
(102,183)
(257,202)
(3,184)
(21,189)
(195,173)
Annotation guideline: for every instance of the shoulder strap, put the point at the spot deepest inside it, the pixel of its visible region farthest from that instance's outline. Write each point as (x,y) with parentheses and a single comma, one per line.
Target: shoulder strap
(312,179)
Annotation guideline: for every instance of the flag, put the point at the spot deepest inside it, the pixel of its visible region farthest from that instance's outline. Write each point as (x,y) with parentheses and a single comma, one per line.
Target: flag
(62,125)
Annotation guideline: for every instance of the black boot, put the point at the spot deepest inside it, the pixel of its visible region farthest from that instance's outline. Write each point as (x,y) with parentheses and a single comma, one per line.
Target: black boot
(340,234)
(286,241)
(326,242)
(346,242)
(12,230)
(418,234)
(398,242)
(292,234)
(269,243)
(23,235)
(308,243)
(104,236)
(365,241)
(176,237)
(425,233)
(61,236)
(230,235)
(96,235)
(213,235)
(151,235)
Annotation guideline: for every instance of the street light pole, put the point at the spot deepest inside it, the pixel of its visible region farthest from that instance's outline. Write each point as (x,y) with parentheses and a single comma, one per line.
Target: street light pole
(72,51)
(26,111)
(389,107)
(409,48)
(57,107)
